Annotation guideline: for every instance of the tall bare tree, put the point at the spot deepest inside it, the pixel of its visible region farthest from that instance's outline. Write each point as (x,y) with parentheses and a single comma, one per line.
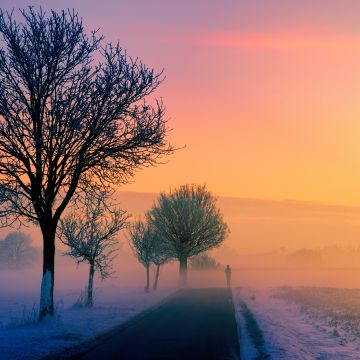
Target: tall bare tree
(73,118)
(189,221)
(91,237)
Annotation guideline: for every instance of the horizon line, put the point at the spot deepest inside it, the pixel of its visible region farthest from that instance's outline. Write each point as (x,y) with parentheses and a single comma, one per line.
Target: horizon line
(284,201)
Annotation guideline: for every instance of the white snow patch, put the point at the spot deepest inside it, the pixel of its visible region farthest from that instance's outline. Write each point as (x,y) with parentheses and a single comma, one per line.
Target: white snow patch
(287,332)
(247,349)
(46,285)
(71,325)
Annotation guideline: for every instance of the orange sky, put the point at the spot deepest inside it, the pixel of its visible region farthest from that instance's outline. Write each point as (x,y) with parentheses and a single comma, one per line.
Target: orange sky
(264,94)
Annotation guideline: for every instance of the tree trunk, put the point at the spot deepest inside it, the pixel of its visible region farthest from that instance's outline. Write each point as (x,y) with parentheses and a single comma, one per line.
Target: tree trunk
(89,300)
(47,283)
(147,287)
(156,277)
(183,271)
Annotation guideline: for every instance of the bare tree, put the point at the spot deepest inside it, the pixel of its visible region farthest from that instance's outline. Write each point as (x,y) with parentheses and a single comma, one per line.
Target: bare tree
(16,251)
(91,238)
(146,245)
(189,221)
(161,254)
(73,119)
(141,240)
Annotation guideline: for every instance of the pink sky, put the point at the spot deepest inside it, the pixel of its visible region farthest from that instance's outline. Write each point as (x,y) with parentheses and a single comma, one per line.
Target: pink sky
(264,94)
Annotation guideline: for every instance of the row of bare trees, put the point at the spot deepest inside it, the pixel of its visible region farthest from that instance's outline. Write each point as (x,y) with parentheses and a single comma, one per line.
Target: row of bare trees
(74,121)
(90,235)
(181,224)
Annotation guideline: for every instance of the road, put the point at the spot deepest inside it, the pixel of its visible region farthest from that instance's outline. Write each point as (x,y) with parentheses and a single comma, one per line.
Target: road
(194,324)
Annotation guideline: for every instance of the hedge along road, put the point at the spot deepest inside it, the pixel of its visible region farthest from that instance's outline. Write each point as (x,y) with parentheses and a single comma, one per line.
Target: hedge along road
(194,324)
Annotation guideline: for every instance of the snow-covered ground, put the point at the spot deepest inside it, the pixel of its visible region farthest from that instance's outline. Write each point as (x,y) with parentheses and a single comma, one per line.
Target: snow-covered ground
(295,326)
(23,338)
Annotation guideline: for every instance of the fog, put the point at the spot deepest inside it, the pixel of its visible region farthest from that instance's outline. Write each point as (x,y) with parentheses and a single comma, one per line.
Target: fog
(272,243)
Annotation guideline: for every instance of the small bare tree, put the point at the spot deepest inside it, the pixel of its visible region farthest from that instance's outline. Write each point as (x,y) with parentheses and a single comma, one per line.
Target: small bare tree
(149,248)
(141,240)
(91,238)
(16,251)
(73,119)
(189,221)
(161,255)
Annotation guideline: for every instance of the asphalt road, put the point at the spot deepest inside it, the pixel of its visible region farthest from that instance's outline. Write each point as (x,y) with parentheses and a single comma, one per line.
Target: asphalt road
(195,324)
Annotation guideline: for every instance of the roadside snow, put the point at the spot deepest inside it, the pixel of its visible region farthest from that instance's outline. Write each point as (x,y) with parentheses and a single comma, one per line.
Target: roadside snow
(71,325)
(287,332)
(247,348)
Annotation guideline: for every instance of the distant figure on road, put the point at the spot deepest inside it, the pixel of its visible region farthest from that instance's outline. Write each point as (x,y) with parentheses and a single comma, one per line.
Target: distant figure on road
(228,275)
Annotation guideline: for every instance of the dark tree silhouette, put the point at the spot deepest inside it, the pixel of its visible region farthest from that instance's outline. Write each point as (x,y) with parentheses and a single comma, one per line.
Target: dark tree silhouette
(149,248)
(73,118)
(189,221)
(91,238)
(16,251)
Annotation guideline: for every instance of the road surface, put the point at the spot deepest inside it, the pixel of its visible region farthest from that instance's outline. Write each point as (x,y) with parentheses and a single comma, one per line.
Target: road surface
(194,324)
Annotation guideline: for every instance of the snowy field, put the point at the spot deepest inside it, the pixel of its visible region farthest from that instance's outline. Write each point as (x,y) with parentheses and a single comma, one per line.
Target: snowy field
(299,323)
(22,338)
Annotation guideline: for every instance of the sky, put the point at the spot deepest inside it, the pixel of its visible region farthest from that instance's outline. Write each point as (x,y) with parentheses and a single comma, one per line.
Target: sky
(262,94)
(262,98)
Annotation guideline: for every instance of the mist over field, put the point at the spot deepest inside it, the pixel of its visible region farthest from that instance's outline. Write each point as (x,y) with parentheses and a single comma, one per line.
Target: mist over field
(272,243)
